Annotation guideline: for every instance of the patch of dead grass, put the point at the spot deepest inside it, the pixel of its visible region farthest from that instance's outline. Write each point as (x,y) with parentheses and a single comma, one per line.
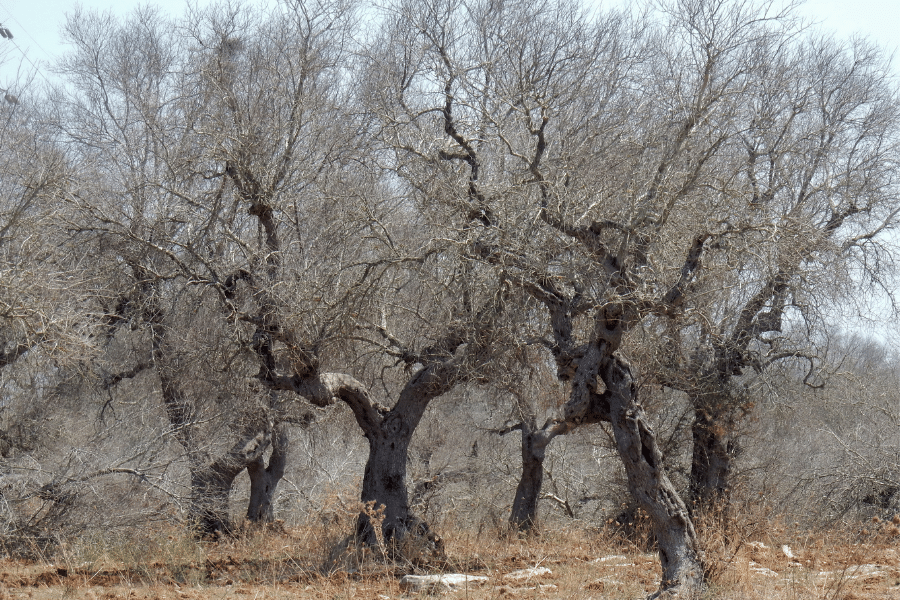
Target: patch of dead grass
(280,562)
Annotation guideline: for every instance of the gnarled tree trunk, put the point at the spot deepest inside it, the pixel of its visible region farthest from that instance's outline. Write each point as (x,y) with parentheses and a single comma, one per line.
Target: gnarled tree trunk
(211,484)
(210,488)
(389,433)
(524,515)
(679,552)
(384,481)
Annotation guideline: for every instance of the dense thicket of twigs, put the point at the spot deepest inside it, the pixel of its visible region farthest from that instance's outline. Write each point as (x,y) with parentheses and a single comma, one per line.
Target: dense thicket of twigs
(251,259)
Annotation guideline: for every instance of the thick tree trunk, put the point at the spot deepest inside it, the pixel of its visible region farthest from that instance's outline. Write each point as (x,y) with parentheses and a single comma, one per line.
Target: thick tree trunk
(264,479)
(384,482)
(389,431)
(711,463)
(389,435)
(679,553)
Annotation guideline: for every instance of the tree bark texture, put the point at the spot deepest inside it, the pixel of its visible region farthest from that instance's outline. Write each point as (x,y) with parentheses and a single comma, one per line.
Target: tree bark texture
(389,433)
(679,552)
(524,515)
(384,481)
(210,488)
(680,556)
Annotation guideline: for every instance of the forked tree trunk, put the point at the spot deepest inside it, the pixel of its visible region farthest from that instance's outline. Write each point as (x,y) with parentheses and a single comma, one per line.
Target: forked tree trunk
(389,434)
(679,552)
(389,431)
(384,489)
(524,515)
(264,479)
(211,484)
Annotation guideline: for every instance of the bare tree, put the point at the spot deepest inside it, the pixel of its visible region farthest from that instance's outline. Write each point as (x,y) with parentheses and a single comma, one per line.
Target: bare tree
(45,327)
(533,399)
(272,209)
(242,147)
(39,293)
(257,178)
(750,308)
(817,141)
(196,144)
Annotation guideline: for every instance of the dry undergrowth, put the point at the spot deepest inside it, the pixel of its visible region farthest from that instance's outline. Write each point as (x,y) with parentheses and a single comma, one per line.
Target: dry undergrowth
(747,560)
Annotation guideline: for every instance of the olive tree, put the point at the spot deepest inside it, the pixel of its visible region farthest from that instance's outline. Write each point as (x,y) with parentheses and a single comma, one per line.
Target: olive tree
(815,164)
(801,240)
(390,275)
(510,114)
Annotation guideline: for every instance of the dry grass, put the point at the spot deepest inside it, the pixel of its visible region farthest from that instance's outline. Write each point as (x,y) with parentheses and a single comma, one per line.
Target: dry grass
(314,561)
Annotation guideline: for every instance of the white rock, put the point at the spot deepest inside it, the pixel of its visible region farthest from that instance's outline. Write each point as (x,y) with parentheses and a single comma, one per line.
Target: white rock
(448,582)
(761,570)
(528,573)
(612,557)
(614,560)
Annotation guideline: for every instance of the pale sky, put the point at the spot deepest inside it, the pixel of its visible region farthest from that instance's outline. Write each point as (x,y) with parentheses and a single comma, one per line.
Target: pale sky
(35,24)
